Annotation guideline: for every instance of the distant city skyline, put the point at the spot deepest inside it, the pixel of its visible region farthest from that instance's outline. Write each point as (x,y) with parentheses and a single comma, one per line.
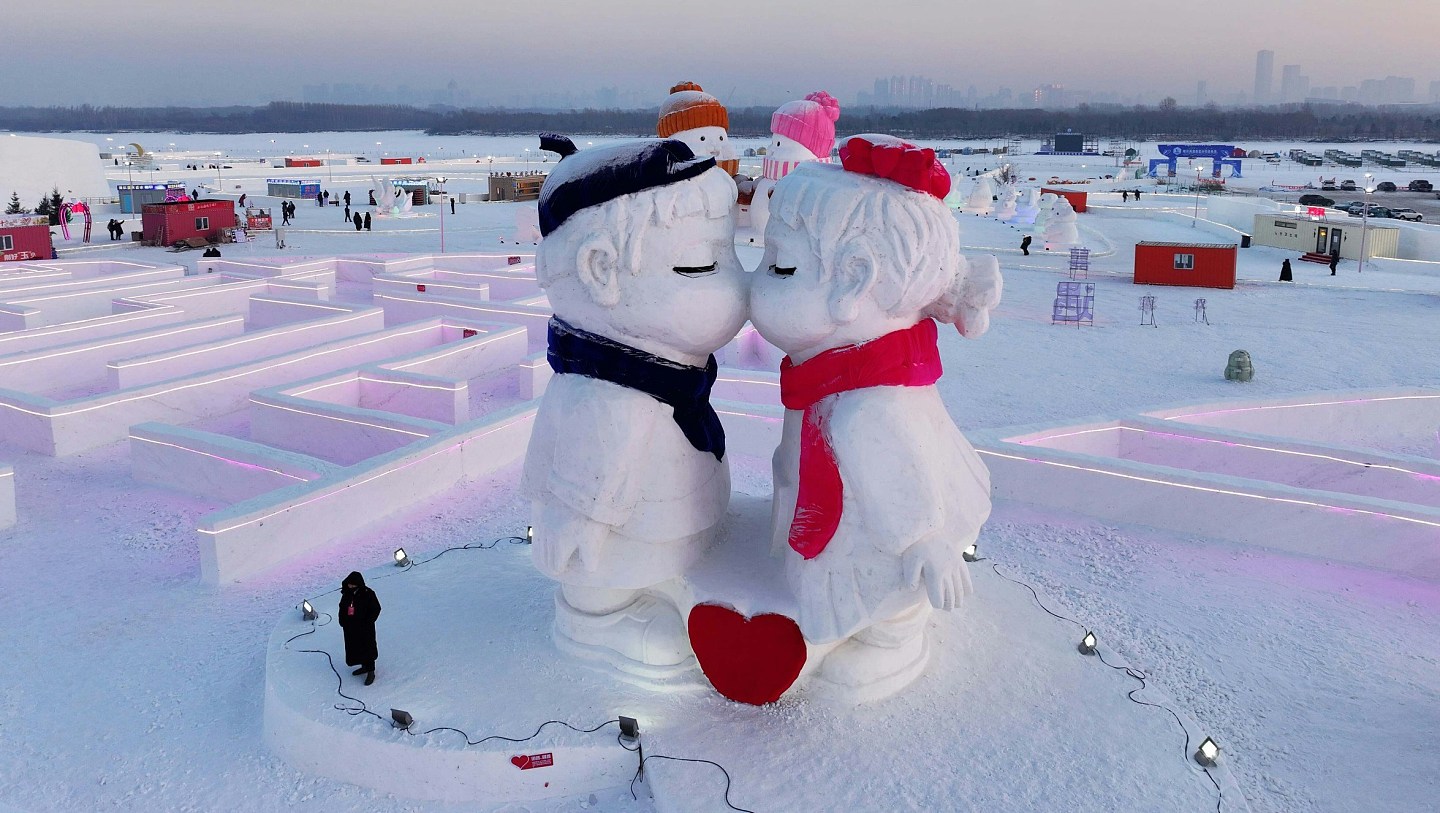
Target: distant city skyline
(627,53)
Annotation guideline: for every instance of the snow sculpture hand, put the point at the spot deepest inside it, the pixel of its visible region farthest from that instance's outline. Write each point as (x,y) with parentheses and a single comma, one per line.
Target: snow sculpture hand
(969,302)
(941,567)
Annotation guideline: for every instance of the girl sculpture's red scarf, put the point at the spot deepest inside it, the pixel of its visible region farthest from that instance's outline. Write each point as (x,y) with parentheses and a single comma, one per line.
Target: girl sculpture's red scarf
(905,358)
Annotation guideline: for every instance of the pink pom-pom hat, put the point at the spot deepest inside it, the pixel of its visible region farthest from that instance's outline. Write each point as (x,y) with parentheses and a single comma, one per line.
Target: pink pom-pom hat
(809,121)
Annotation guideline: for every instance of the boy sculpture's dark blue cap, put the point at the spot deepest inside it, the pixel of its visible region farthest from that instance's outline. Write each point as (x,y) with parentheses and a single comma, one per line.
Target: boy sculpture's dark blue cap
(594,176)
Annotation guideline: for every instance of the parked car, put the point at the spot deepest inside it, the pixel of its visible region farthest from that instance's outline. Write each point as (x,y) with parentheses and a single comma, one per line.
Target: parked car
(1316,200)
(1347,186)
(1385,186)
(1328,186)
(1375,211)
(1352,206)
(1421,185)
(1406,214)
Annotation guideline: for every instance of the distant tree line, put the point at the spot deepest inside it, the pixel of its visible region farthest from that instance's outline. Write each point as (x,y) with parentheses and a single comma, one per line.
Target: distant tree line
(1167,120)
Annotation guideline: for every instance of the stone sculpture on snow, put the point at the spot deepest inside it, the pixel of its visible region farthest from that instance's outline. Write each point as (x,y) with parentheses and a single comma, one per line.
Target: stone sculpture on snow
(1238,367)
(800,132)
(877,493)
(626,469)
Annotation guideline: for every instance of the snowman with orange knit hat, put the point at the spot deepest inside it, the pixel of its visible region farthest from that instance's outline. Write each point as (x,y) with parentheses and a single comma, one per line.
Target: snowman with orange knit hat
(695,117)
(800,131)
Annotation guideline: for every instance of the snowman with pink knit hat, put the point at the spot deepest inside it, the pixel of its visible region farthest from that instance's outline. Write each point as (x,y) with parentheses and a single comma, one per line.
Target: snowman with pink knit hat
(800,131)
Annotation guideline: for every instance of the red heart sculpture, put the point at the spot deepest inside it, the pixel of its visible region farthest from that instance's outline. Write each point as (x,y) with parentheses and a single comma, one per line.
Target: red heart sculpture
(520,761)
(749,660)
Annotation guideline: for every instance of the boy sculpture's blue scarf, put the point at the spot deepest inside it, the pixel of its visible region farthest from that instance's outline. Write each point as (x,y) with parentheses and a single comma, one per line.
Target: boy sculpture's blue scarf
(684,388)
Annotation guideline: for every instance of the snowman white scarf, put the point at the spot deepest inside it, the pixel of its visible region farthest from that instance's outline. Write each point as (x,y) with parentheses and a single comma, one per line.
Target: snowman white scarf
(905,358)
(684,388)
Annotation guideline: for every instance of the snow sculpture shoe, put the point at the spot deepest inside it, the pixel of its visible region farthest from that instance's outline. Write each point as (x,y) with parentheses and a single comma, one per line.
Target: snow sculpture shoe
(645,638)
(879,661)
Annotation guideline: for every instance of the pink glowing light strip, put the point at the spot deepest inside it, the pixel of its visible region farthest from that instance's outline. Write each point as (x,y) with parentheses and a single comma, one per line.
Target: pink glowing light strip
(765,382)
(1227,492)
(210,290)
(348,379)
(450,303)
(475,343)
(204,382)
(1294,452)
(477,287)
(413,384)
(89,347)
(233,343)
(82,324)
(239,463)
(1301,406)
(330,417)
(121,291)
(336,308)
(528,416)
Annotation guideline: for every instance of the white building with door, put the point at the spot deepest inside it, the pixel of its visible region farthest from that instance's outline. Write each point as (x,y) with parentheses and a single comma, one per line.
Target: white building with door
(1323,236)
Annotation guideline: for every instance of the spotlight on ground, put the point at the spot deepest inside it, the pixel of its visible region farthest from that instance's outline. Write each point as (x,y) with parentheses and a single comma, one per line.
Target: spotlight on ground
(971,553)
(307,611)
(1087,644)
(1208,753)
(401,560)
(401,719)
(629,728)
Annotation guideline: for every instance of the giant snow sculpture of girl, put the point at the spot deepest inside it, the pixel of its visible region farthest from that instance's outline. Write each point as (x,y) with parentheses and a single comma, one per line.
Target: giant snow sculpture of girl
(876,491)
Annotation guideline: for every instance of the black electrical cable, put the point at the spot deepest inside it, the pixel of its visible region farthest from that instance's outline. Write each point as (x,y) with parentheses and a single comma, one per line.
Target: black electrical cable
(1129,671)
(641,769)
(468,741)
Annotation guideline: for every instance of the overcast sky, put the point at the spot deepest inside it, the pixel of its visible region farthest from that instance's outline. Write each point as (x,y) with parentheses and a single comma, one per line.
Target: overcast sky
(194,51)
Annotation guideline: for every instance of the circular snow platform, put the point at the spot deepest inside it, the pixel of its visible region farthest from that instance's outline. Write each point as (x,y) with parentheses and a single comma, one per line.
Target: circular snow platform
(1007,716)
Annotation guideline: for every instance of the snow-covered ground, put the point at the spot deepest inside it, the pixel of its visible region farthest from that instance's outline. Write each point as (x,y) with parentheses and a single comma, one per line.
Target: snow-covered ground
(128,685)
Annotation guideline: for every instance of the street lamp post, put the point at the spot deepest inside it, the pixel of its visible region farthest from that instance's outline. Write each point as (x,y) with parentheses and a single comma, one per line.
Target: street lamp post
(1365,220)
(1196,220)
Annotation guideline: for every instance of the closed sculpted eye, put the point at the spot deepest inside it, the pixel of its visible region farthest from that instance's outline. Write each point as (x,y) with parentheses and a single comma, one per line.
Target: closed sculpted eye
(694,270)
(781,271)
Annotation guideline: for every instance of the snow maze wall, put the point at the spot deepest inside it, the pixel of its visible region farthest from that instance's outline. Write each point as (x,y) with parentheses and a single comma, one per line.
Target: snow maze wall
(253,384)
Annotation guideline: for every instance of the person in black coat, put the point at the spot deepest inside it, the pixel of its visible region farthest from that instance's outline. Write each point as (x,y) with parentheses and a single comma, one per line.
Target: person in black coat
(356,220)
(347,200)
(367,220)
(1285,272)
(358,610)
(1334,261)
(1025,245)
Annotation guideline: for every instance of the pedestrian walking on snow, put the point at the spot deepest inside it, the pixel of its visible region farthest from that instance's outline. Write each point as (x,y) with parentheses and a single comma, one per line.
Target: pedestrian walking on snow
(1285,272)
(359,607)
(1025,245)
(356,221)
(367,220)
(1125,195)
(1334,261)
(347,200)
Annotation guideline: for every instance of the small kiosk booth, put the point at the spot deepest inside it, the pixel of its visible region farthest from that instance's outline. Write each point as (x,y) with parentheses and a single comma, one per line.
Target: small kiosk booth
(165,224)
(292,188)
(1193,265)
(134,196)
(25,237)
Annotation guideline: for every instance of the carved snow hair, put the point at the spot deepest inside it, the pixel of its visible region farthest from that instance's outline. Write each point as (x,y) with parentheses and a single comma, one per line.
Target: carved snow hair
(625,221)
(911,238)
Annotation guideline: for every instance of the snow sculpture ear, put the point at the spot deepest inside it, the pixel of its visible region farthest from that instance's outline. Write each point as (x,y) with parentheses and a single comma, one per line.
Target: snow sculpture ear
(854,278)
(598,267)
(973,292)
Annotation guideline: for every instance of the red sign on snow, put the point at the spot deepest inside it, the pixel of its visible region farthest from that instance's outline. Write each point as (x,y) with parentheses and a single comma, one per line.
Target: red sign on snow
(1316,211)
(527,761)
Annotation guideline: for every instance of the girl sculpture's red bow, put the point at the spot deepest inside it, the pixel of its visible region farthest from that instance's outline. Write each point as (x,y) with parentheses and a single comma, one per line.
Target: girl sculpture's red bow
(898,161)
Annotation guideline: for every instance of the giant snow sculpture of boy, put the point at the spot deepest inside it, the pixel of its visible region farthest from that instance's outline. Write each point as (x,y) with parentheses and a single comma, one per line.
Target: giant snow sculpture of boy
(876,491)
(801,132)
(626,469)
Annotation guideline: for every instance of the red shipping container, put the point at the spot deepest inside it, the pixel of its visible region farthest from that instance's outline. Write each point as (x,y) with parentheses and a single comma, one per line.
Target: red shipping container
(25,237)
(165,224)
(302,162)
(397,160)
(1195,265)
(1077,199)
